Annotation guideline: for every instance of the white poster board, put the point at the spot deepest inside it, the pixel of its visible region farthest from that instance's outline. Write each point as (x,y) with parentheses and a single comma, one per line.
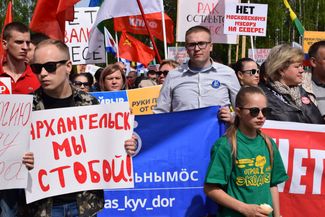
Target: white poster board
(77,35)
(260,55)
(15,117)
(208,13)
(80,148)
(178,54)
(245,19)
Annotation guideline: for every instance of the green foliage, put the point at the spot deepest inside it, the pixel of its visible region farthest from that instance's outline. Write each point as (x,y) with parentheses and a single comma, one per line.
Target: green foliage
(22,10)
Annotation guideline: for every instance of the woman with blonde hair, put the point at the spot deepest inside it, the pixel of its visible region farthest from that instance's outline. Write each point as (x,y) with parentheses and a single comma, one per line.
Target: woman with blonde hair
(286,97)
(113,78)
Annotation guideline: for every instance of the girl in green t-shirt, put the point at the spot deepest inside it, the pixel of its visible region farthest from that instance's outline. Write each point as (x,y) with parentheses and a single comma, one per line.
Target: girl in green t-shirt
(246,166)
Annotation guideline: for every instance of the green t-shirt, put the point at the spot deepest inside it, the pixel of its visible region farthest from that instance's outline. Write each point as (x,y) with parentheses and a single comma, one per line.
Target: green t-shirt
(248,179)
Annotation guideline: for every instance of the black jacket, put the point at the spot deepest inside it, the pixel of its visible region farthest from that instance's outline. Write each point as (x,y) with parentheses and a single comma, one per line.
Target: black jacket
(283,111)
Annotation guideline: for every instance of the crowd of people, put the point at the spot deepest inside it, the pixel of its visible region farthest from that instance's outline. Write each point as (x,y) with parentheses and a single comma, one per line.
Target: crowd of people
(247,94)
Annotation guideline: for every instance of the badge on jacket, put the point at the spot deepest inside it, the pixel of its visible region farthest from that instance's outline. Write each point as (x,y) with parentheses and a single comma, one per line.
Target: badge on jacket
(215,84)
(305,100)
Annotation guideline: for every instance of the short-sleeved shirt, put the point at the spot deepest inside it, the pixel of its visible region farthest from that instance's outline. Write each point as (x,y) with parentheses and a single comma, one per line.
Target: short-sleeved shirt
(186,89)
(247,178)
(26,83)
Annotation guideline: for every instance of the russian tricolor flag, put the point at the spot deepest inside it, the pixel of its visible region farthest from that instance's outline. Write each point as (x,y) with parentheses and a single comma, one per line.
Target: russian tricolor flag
(110,45)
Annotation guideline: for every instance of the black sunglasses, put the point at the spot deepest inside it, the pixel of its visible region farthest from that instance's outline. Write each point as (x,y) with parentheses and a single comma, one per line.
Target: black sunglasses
(165,72)
(79,84)
(251,71)
(254,111)
(48,66)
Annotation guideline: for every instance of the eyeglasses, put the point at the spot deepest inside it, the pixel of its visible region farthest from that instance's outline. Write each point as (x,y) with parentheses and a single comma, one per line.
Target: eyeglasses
(48,66)
(165,72)
(254,111)
(79,84)
(200,44)
(251,71)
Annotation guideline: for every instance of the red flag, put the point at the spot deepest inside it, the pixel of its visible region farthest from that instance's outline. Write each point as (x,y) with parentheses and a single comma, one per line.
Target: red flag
(8,19)
(134,50)
(49,17)
(135,25)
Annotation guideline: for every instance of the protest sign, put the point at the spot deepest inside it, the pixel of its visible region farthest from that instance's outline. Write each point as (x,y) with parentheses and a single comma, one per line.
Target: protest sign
(260,55)
(106,97)
(245,19)
(178,54)
(302,149)
(80,148)
(168,182)
(208,13)
(15,117)
(141,100)
(311,37)
(77,35)
(5,85)
(92,69)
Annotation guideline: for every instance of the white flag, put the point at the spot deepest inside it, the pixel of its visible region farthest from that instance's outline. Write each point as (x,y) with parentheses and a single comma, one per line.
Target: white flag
(119,8)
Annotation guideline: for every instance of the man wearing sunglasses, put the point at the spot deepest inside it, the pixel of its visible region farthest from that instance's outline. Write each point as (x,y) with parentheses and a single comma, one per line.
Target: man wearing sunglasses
(200,82)
(52,65)
(15,43)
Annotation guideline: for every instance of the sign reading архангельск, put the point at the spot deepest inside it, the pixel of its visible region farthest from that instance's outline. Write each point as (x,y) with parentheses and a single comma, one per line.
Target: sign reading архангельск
(80,148)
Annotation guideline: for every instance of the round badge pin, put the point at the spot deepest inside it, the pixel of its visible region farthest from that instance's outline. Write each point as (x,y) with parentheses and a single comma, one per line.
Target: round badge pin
(215,84)
(305,100)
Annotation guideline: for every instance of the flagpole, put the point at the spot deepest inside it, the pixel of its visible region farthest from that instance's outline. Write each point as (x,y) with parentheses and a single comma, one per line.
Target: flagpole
(252,42)
(164,28)
(147,27)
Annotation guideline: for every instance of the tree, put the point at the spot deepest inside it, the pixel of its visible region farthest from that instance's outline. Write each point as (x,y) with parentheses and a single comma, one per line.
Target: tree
(22,10)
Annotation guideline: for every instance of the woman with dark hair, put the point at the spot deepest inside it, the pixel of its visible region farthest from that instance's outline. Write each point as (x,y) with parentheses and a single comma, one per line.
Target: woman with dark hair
(82,81)
(112,78)
(287,98)
(247,72)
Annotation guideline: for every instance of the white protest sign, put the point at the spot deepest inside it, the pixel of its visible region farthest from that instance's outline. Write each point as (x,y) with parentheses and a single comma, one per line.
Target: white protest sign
(178,54)
(245,19)
(80,148)
(260,55)
(77,35)
(208,13)
(5,85)
(15,117)
(92,69)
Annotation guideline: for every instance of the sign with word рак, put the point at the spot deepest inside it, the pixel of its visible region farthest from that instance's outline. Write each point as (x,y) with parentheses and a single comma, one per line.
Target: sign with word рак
(208,13)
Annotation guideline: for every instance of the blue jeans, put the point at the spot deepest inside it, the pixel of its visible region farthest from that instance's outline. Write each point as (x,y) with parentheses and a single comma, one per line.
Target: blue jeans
(65,210)
(9,202)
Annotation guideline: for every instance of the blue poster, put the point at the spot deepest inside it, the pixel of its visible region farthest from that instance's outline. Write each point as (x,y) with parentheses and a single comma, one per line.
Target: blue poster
(169,170)
(107,97)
